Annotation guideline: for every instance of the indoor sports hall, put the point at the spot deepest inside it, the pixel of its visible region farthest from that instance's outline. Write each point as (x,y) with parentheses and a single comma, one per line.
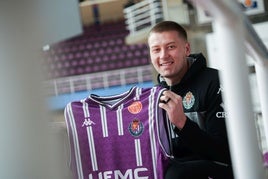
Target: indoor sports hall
(54,52)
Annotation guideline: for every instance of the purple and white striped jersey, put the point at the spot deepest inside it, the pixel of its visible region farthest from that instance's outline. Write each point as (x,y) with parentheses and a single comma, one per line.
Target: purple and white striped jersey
(123,136)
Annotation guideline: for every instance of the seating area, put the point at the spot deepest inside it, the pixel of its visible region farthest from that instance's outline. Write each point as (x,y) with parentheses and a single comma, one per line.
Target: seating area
(98,58)
(99,48)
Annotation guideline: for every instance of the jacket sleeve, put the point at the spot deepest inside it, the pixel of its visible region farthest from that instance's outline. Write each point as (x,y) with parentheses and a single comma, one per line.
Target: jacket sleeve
(210,142)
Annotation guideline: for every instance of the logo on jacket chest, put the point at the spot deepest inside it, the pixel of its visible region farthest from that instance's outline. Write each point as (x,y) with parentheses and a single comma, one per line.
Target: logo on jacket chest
(188,100)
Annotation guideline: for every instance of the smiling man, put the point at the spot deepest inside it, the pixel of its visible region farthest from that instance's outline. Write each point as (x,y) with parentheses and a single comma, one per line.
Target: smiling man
(200,142)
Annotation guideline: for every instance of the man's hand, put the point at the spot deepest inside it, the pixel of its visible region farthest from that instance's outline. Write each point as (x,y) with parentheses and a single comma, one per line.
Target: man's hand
(172,103)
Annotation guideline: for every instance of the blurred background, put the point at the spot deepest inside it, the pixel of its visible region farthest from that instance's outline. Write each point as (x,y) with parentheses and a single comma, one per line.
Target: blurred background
(110,53)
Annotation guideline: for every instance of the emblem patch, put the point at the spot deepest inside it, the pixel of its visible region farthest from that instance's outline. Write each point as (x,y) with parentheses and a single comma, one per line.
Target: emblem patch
(135,128)
(135,107)
(188,100)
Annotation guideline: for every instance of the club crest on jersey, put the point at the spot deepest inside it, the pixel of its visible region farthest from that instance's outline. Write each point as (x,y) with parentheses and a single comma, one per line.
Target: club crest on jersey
(135,128)
(135,107)
(188,100)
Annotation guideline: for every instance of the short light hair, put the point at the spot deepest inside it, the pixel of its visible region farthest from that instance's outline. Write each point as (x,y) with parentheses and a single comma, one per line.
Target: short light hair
(169,26)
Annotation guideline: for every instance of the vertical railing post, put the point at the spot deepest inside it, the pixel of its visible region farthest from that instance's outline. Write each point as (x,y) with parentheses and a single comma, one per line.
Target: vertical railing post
(152,12)
(246,158)
(262,82)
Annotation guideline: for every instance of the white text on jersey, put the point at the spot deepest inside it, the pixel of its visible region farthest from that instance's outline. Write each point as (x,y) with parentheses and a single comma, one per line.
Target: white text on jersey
(117,174)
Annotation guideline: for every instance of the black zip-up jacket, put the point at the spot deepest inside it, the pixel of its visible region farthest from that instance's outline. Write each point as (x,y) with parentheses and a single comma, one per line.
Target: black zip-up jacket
(204,135)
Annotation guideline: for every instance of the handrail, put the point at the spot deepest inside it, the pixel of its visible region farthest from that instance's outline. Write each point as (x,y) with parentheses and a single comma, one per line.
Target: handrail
(227,12)
(254,44)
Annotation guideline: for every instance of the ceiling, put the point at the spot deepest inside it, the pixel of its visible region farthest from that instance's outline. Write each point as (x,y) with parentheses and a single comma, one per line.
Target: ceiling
(109,10)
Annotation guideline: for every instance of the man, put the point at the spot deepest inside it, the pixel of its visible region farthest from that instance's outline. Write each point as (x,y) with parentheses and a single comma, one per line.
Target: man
(192,103)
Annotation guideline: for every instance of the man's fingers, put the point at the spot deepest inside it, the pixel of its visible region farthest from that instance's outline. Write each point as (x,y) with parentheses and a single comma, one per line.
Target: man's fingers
(167,100)
(169,96)
(164,99)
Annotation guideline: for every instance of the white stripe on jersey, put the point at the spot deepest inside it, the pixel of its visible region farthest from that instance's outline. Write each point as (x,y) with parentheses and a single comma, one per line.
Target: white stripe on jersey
(90,139)
(173,134)
(120,120)
(104,121)
(151,130)
(85,108)
(66,116)
(76,142)
(138,152)
(92,150)
(138,93)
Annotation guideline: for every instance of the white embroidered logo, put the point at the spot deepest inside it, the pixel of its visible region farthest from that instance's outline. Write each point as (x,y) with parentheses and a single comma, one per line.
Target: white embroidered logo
(220,89)
(87,122)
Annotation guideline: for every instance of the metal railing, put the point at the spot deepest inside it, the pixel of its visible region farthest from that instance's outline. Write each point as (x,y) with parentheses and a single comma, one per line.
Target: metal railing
(93,81)
(235,36)
(143,14)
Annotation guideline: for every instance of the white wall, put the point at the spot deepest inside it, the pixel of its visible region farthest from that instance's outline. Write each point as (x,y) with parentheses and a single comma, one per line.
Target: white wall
(25,26)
